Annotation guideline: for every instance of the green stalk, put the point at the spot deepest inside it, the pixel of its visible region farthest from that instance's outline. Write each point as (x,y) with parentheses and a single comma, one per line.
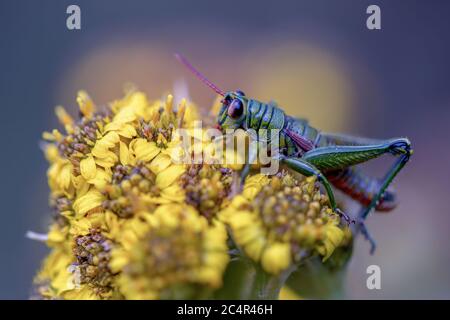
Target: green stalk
(246,280)
(238,280)
(267,286)
(315,279)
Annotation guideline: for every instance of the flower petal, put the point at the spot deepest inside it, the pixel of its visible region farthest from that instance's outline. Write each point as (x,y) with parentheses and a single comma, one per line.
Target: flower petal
(144,150)
(169,175)
(87,106)
(102,146)
(88,168)
(124,154)
(276,257)
(91,200)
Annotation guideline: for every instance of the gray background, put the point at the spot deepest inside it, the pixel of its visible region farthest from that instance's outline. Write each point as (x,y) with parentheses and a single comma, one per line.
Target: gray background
(399,78)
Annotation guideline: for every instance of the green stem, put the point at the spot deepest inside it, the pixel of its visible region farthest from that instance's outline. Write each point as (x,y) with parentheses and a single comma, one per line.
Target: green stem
(314,280)
(246,280)
(267,286)
(238,280)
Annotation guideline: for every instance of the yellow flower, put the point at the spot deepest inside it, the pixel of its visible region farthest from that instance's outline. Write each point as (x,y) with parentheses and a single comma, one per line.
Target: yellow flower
(206,188)
(101,150)
(54,277)
(82,293)
(64,118)
(92,254)
(87,106)
(278,221)
(171,254)
(88,168)
(287,294)
(143,150)
(130,222)
(60,172)
(89,201)
(109,174)
(277,257)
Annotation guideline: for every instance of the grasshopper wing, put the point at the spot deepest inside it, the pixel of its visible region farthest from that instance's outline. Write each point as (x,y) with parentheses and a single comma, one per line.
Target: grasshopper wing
(302,142)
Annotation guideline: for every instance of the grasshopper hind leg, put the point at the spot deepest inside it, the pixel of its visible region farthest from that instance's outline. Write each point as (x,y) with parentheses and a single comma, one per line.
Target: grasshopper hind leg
(361,187)
(335,157)
(365,232)
(402,147)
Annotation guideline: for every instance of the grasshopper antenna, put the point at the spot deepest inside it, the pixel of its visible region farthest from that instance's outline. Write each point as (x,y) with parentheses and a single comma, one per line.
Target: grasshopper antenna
(198,74)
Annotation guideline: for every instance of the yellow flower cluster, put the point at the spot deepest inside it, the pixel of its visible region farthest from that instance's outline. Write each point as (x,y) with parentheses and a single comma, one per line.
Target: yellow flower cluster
(119,201)
(174,252)
(130,223)
(280,220)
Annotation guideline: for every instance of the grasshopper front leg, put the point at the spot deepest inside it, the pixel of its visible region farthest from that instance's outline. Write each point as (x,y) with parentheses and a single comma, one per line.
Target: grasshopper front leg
(307,169)
(239,180)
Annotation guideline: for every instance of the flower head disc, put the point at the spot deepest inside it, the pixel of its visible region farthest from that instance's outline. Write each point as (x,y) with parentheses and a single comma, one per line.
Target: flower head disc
(178,254)
(279,221)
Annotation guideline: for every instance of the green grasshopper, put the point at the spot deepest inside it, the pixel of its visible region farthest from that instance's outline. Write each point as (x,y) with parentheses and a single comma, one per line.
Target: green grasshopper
(310,152)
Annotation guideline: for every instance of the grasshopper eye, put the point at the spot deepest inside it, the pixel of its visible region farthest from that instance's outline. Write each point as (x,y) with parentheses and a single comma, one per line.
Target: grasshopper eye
(236,109)
(240,92)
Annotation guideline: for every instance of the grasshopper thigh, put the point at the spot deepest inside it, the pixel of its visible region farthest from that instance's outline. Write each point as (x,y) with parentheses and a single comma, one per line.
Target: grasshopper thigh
(341,157)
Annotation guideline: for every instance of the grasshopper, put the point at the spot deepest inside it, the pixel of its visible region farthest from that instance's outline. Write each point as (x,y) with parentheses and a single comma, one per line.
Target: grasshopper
(329,157)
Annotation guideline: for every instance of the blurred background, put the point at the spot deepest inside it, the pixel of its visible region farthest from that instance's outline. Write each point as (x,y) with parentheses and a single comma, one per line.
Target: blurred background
(315,58)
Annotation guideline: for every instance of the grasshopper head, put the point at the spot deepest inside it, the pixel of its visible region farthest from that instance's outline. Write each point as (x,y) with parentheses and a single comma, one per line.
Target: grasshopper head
(233,112)
(234,103)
